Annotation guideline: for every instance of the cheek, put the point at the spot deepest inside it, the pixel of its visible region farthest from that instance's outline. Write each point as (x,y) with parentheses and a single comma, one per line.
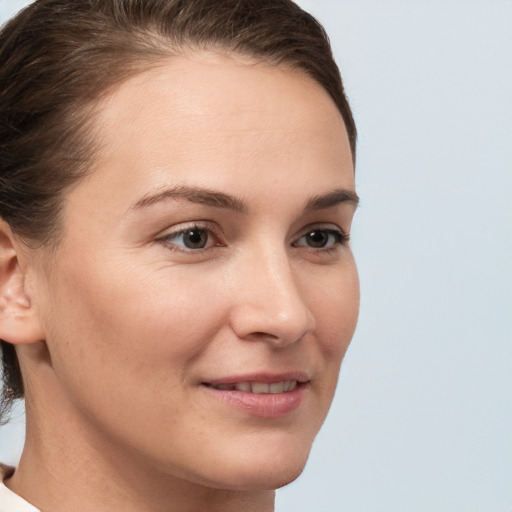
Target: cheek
(336,310)
(123,345)
(335,306)
(108,324)
(130,305)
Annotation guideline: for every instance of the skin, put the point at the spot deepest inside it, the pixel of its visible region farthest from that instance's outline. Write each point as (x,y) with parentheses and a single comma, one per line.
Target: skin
(124,323)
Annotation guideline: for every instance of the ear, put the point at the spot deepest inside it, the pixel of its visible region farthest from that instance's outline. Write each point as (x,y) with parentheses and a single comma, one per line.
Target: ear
(19,322)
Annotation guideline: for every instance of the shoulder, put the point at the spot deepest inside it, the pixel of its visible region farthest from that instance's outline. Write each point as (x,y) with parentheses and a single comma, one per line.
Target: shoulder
(9,501)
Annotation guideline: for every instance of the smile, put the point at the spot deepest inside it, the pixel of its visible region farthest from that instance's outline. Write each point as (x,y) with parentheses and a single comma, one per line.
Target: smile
(261,395)
(258,387)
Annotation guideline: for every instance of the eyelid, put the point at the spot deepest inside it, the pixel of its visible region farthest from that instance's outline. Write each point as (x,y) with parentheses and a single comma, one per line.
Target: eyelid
(330,228)
(179,229)
(324,226)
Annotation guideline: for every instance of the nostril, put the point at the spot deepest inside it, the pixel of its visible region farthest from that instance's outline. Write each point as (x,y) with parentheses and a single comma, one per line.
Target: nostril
(273,320)
(261,334)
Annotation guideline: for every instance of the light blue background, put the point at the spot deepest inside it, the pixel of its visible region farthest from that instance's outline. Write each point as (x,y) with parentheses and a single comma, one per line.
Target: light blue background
(422,421)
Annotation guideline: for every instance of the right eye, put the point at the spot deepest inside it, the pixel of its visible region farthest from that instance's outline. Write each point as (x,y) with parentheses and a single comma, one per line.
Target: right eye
(190,238)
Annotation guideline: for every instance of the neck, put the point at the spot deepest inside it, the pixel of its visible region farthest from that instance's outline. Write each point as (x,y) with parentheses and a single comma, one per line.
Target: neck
(65,466)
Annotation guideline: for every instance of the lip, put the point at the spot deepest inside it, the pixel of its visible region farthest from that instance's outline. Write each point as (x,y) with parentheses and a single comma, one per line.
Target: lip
(268,378)
(263,405)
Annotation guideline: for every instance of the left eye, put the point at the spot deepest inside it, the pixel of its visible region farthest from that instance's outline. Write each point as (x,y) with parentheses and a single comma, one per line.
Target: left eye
(321,238)
(193,238)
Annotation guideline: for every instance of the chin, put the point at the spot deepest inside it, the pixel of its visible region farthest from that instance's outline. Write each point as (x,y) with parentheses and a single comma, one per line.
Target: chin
(269,479)
(265,470)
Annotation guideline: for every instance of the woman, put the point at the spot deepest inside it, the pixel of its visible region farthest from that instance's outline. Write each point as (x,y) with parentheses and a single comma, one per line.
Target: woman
(177,288)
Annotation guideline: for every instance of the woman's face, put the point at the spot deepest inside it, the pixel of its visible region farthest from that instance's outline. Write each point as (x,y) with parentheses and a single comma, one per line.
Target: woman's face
(204,294)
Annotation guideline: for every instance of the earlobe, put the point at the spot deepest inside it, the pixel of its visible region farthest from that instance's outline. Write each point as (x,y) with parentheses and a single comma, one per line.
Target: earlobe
(19,322)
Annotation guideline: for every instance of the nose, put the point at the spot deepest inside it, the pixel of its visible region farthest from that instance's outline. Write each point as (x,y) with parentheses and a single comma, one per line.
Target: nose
(269,302)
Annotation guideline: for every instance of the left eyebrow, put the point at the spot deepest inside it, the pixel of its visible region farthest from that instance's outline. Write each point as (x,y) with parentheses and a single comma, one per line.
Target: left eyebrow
(337,196)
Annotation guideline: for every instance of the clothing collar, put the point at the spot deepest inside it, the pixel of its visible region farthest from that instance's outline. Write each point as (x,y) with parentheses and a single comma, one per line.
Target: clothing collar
(10,501)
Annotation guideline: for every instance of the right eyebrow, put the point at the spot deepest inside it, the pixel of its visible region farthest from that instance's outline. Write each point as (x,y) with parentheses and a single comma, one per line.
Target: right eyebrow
(194,195)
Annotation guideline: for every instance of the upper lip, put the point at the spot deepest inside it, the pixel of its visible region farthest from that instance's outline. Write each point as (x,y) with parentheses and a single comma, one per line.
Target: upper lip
(268,378)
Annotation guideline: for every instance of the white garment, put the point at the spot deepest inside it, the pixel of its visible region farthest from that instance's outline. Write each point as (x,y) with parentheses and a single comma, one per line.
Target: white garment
(9,501)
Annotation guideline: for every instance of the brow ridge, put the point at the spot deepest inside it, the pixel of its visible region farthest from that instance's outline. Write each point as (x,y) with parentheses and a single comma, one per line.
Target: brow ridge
(337,196)
(217,199)
(195,195)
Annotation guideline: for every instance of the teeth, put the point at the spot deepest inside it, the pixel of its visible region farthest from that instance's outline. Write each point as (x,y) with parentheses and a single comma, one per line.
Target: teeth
(260,387)
(277,387)
(243,386)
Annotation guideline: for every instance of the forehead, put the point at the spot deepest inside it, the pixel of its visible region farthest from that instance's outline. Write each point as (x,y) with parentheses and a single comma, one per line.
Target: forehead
(220,121)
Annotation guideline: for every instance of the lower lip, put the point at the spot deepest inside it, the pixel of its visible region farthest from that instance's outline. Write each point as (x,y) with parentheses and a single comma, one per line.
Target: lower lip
(263,405)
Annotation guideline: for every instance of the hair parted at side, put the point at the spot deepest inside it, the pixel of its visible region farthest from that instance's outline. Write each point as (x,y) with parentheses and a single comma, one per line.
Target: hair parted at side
(59,57)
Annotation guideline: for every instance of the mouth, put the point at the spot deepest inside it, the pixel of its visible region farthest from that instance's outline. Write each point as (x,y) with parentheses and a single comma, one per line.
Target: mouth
(273,388)
(263,396)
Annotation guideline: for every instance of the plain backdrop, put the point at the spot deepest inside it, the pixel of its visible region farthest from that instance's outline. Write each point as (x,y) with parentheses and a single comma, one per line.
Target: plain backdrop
(422,420)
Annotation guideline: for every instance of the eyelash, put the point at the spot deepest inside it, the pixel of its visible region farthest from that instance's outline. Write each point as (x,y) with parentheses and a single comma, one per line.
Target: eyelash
(340,238)
(205,228)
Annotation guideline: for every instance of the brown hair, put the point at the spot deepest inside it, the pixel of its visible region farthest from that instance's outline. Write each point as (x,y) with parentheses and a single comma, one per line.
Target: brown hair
(58,57)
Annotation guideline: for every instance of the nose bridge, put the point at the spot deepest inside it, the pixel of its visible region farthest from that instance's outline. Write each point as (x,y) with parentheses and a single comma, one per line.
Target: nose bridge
(272,304)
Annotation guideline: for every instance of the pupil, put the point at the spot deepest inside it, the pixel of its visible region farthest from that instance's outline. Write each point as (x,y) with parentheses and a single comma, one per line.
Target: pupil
(317,238)
(195,239)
